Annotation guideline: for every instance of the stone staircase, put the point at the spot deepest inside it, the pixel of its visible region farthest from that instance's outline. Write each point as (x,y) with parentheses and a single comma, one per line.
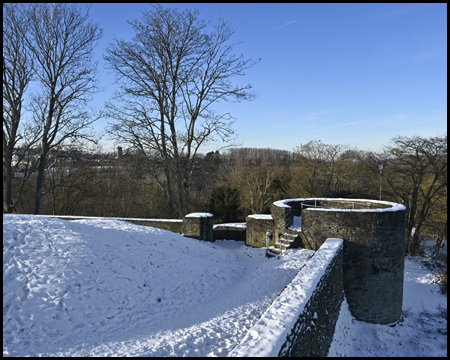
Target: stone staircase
(289,239)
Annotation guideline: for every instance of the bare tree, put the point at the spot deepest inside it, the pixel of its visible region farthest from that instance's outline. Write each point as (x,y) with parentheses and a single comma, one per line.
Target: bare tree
(262,185)
(436,224)
(61,39)
(17,74)
(322,167)
(416,175)
(171,74)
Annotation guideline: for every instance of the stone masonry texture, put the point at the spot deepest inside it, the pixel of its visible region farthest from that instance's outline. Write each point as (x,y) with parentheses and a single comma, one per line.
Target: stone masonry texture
(224,232)
(373,258)
(198,227)
(256,231)
(313,332)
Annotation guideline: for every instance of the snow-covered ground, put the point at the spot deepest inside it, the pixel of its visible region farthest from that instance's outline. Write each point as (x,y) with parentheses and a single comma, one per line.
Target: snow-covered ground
(422,330)
(111,288)
(108,287)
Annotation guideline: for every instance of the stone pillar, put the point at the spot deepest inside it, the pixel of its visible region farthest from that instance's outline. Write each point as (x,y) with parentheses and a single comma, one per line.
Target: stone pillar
(198,226)
(283,217)
(257,227)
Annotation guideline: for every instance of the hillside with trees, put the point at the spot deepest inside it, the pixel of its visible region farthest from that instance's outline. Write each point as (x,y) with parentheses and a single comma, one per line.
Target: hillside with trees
(243,181)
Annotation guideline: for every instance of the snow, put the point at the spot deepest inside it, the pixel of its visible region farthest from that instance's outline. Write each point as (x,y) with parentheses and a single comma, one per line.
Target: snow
(422,330)
(270,332)
(109,218)
(392,206)
(112,288)
(234,225)
(260,216)
(296,224)
(199,215)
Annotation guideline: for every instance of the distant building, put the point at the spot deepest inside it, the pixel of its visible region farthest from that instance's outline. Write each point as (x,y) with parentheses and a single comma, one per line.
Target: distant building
(119,152)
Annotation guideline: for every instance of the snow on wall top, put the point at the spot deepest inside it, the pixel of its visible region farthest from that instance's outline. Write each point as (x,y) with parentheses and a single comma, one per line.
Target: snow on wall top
(261,216)
(392,206)
(270,332)
(106,218)
(235,225)
(199,215)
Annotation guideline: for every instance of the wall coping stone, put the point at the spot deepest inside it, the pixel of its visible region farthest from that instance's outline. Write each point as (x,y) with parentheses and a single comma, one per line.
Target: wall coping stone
(199,215)
(270,332)
(392,206)
(231,225)
(261,216)
(108,218)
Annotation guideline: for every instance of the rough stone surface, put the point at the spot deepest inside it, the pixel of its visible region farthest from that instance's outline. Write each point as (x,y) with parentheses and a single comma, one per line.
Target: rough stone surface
(198,226)
(283,218)
(174,226)
(373,258)
(256,231)
(224,232)
(373,234)
(313,332)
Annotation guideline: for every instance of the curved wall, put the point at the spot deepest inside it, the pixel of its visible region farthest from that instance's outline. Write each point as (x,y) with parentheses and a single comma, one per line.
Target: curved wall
(373,234)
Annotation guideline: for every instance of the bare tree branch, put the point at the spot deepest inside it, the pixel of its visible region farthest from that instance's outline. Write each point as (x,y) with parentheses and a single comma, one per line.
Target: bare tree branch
(171,74)
(61,39)
(17,74)
(416,175)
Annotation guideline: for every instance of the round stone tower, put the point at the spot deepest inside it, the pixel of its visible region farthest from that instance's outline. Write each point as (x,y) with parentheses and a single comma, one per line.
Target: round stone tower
(374,249)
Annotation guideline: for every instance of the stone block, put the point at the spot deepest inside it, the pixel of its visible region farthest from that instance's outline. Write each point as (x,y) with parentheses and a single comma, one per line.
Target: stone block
(199,226)
(257,227)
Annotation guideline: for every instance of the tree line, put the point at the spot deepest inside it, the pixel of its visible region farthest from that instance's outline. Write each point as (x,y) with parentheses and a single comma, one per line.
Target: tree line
(237,182)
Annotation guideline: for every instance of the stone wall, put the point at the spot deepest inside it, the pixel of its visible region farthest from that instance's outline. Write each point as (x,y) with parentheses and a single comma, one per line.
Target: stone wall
(283,217)
(257,226)
(373,258)
(198,226)
(313,332)
(373,234)
(173,225)
(230,231)
(195,225)
(302,319)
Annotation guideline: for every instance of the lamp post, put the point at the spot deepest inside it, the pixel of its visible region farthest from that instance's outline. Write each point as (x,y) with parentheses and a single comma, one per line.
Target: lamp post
(381,178)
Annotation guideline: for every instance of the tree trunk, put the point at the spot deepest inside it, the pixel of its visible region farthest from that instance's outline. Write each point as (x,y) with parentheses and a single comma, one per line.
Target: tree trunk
(169,193)
(7,191)
(40,183)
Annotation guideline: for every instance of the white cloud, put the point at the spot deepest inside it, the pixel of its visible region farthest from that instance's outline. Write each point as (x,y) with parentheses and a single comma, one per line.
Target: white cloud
(287,24)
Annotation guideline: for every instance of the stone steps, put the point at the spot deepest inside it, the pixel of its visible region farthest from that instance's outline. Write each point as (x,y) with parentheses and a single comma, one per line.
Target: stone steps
(289,239)
(285,242)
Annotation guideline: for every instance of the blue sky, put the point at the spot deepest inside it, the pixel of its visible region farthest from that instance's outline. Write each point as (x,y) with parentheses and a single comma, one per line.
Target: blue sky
(355,74)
